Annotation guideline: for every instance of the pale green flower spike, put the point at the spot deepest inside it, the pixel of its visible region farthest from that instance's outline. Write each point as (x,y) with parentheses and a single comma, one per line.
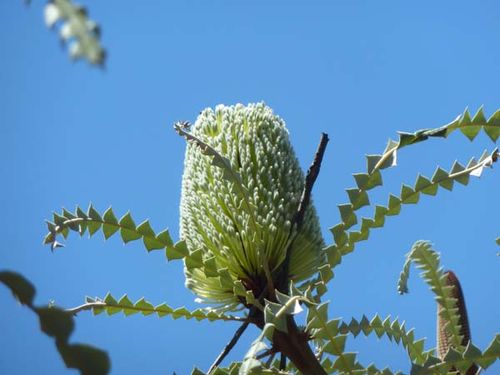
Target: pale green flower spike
(237,206)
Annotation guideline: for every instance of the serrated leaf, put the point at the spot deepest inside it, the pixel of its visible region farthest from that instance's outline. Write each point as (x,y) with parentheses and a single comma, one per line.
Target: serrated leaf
(95,224)
(339,234)
(93,214)
(145,307)
(408,195)
(336,346)
(163,310)
(441,177)
(112,304)
(127,222)
(347,215)
(427,259)
(493,131)
(68,215)
(460,177)
(145,229)
(150,240)
(345,240)
(128,229)
(80,213)
(358,198)
(127,306)
(361,180)
(58,219)
(394,205)
(366,181)
(468,128)
(371,162)
(326,273)
(194,259)
(270,316)
(210,267)
(110,225)
(345,363)
(164,237)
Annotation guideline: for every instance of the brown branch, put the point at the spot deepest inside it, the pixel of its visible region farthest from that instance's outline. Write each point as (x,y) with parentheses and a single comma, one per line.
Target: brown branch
(311,176)
(266,353)
(298,217)
(229,346)
(294,345)
(282,362)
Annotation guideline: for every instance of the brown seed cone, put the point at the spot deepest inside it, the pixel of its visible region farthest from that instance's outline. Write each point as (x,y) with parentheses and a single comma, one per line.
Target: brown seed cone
(443,337)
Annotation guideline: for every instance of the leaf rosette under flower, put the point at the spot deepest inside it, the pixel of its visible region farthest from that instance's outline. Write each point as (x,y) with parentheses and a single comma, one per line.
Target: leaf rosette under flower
(237,208)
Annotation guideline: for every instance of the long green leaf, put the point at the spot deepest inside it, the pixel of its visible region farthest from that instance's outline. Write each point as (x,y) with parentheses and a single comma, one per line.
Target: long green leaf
(111,305)
(92,221)
(427,260)
(393,330)
(345,240)
(365,181)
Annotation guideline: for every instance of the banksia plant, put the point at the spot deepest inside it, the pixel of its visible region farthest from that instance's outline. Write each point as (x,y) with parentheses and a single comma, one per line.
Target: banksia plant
(253,252)
(240,215)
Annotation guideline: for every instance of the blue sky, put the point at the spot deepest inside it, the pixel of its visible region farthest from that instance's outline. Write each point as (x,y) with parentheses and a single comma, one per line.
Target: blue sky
(71,134)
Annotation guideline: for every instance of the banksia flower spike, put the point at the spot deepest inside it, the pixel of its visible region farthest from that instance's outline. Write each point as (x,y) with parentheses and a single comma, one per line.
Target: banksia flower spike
(241,187)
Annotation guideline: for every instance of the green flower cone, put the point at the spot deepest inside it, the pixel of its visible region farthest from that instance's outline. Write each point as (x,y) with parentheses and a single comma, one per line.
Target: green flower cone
(236,213)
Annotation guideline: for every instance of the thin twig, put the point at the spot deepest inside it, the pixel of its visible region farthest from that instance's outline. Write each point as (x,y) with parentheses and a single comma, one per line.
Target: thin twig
(270,359)
(250,319)
(312,174)
(229,346)
(266,353)
(298,218)
(282,362)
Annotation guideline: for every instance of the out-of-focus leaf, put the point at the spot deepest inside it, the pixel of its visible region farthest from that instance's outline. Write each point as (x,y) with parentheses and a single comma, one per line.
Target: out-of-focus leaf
(58,324)
(76,29)
(20,287)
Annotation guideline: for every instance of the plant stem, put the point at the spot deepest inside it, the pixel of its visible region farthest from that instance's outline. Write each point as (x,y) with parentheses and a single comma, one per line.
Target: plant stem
(294,345)
(298,217)
(229,346)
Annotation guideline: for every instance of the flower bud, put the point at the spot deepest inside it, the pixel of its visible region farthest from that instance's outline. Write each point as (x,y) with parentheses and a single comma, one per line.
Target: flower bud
(239,216)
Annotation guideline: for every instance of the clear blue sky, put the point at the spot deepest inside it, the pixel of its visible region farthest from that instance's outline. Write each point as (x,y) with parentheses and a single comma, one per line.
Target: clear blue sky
(71,134)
